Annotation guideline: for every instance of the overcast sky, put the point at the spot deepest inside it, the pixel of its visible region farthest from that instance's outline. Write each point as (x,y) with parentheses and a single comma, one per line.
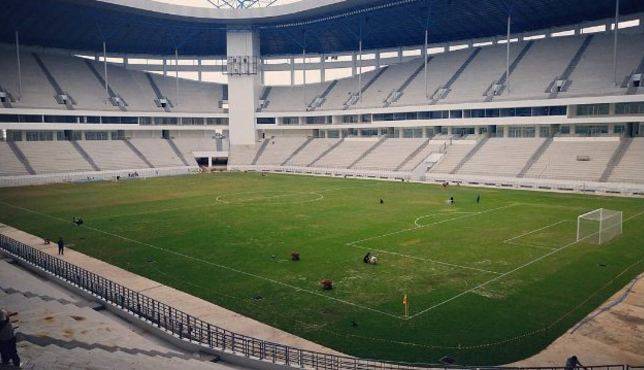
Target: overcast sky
(204,3)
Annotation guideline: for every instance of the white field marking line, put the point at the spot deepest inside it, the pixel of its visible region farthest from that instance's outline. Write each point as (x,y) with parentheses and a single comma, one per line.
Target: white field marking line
(438,213)
(427,260)
(510,272)
(249,200)
(531,245)
(430,224)
(205,205)
(507,241)
(213,264)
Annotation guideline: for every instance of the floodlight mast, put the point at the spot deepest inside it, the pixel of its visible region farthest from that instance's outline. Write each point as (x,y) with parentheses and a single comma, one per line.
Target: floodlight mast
(241,4)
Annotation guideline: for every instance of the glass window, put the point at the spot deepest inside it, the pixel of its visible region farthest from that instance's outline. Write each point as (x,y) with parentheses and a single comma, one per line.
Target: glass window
(266,120)
(96,135)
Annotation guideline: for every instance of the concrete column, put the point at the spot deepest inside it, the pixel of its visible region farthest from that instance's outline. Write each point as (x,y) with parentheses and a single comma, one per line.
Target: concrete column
(243,89)
(322,69)
(209,162)
(506,131)
(292,64)
(199,71)
(449,130)
(354,65)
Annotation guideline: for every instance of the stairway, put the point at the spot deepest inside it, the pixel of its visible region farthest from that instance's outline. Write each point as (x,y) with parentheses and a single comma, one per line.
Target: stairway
(413,155)
(504,77)
(319,100)
(616,158)
(371,149)
(535,157)
(260,151)
(101,81)
(324,153)
(352,99)
(469,155)
(297,151)
(570,68)
(138,153)
(176,151)
(54,84)
(401,90)
(447,87)
(85,155)
(157,91)
(21,157)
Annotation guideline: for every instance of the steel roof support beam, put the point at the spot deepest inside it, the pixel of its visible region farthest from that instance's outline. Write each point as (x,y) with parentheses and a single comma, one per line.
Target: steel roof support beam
(107,85)
(507,53)
(615,32)
(19,66)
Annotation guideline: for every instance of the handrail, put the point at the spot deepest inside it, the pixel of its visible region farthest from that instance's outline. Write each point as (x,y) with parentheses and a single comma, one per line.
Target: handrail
(192,329)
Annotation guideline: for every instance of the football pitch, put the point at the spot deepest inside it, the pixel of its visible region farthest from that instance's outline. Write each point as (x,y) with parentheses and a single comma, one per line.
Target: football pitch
(487,283)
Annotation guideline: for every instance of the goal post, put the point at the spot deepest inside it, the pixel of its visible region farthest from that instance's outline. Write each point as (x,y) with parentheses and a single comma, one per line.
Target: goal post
(599,226)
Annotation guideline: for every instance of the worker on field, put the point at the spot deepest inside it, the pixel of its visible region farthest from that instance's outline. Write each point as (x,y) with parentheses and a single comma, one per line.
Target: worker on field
(573,363)
(382,201)
(61,246)
(478,198)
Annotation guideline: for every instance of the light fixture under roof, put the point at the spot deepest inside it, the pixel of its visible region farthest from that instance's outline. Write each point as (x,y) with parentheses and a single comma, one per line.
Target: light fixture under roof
(242,4)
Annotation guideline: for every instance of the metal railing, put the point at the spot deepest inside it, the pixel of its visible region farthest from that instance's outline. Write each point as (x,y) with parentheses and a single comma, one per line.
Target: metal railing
(189,328)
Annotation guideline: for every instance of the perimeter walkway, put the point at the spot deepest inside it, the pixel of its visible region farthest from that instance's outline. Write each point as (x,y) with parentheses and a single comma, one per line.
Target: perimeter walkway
(612,334)
(59,330)
(194,306)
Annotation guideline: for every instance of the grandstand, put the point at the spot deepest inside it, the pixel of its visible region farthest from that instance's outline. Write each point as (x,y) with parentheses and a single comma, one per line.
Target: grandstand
(543,95)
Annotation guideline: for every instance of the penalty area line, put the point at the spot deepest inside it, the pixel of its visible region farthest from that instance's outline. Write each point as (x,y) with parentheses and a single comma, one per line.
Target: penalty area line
(507,241)
(427,260)
(511,271)
(196,259)
(430,224)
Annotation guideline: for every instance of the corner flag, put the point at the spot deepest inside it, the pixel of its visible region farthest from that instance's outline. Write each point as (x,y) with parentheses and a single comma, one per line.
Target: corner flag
(405,303)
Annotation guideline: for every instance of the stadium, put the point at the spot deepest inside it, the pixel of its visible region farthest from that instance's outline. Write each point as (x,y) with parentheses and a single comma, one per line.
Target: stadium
(337,184)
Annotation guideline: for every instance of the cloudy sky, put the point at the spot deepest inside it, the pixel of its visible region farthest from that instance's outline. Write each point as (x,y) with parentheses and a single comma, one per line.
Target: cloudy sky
(204,3)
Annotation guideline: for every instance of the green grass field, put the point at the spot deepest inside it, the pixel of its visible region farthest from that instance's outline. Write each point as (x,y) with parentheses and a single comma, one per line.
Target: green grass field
(488,283)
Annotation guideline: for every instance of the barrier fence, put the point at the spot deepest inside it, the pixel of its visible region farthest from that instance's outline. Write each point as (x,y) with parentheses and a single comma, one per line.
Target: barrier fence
(189,328)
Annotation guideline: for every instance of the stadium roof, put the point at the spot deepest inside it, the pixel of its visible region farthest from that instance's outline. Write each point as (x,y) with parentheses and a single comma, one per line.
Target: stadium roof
(319,26)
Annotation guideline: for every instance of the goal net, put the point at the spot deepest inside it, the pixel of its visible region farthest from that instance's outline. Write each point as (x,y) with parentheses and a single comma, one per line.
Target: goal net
(599,226)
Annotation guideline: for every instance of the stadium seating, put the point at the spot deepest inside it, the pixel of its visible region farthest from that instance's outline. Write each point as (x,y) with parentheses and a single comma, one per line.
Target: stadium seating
(112,154)
(423,152)
(36,90)
(389,155)
(440,69)
(343,155)
(10,165)
(188,145)
(390,79)
(594,73)
(194,97)
(132,86)
(75,78)
(630,169)
(158,152)
(60,330)
(453,156)
(279,149)
(312,152)
(293,98)
(53,156)
(242,154)
(501,157)
(574,159)
(545,61)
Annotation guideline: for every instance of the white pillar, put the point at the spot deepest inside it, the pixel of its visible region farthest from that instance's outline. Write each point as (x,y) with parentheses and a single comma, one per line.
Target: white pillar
(243,88)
